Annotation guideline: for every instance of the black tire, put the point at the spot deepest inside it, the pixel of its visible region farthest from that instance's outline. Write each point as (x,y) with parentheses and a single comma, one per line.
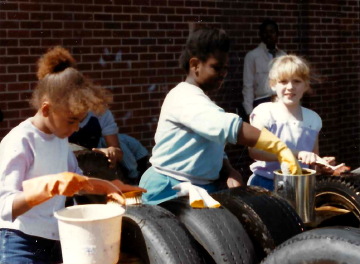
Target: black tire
(268,219)
(319,246)
(157,236)
(217,230)
(96,165)
(342,192)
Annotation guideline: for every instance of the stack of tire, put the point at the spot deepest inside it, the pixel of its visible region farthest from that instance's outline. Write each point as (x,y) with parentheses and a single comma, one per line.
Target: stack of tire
(335,240)
(250,223)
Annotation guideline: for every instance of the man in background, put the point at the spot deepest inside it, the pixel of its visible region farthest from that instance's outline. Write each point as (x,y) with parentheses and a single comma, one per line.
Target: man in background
(257,65)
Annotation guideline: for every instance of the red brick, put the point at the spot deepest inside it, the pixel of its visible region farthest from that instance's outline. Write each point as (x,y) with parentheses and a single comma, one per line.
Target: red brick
(29,42)
(51,42)
(131,9)
(30,7)
(18,105)
(12,87)
(140,97)
(148,26)
(110,25)
(157,49)
(11,114)
(27,77)
(10,97)
(4,6)
(17,15)
(93,8)
(131,26)
(176,3)
(103,17)
(121,81)
(73,25)
(74,8)
(52,25)
(113,9)
(18,69)
(9,24)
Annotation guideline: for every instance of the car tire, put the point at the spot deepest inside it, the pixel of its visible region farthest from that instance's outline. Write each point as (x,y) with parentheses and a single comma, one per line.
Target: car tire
(260,211)
(156,236)
(335,245)
(217,230)
(341,192)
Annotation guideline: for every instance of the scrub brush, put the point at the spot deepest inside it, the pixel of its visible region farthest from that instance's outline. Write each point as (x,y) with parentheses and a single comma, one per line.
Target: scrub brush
(132,198)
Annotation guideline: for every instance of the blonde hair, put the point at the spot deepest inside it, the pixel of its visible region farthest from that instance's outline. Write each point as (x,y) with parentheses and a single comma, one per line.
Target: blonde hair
(285,67)
(65,87)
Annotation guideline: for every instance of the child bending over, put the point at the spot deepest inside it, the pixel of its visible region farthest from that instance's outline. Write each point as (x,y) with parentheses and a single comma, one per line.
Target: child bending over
(38,168)
(192,130)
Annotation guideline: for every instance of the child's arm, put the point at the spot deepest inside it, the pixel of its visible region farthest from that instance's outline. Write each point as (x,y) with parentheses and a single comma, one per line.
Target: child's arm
(109,130)
(257,154)
(19,206)
(39,190)
(234,178)
(113,152)
(306,157)
(266,141)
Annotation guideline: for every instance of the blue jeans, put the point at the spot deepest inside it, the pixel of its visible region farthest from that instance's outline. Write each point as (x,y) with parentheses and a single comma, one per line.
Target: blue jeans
(260,181)
(19,248)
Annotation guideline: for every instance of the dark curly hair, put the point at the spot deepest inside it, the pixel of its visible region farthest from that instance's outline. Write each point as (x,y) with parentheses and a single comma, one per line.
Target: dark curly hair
(203,42)
(65,87)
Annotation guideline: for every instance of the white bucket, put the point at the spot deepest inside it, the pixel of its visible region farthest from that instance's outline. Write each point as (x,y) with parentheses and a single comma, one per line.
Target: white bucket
(90,233)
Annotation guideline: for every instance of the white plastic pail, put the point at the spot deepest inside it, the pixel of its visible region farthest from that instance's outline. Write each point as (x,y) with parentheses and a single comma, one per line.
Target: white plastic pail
(90,233)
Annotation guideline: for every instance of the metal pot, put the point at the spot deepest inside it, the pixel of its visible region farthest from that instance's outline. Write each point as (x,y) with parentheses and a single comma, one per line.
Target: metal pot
(298,191)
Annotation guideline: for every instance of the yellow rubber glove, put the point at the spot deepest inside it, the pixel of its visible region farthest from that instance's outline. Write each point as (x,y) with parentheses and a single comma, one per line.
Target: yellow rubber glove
(41,189)
(270,143)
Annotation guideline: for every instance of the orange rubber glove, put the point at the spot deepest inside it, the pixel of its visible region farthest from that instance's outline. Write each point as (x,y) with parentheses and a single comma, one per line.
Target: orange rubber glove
(41,189)
(270,143)
(112,189)
(127,187)
(103,187)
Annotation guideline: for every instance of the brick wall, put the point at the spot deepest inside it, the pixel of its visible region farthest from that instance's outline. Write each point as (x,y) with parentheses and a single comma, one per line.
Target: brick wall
(132,47)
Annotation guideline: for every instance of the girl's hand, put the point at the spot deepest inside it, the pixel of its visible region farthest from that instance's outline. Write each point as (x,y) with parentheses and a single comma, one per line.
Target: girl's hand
(41,189)
(235,179)
(113,154)
(321,169)
(330,160)
(307,157)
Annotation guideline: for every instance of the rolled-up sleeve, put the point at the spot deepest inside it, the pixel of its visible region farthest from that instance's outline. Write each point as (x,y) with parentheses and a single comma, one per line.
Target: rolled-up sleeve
(15,161)
(205,118)
(108,124)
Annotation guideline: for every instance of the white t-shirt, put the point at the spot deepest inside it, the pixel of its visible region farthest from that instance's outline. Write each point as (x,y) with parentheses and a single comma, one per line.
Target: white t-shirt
(26,153)
(300,135)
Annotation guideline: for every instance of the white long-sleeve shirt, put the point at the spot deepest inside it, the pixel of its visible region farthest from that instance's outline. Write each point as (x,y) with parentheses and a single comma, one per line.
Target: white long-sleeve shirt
(191,135)
(26,153)
(256,72)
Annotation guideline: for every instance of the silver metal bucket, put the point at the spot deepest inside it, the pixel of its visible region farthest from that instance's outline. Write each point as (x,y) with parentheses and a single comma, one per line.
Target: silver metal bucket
(299,191)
